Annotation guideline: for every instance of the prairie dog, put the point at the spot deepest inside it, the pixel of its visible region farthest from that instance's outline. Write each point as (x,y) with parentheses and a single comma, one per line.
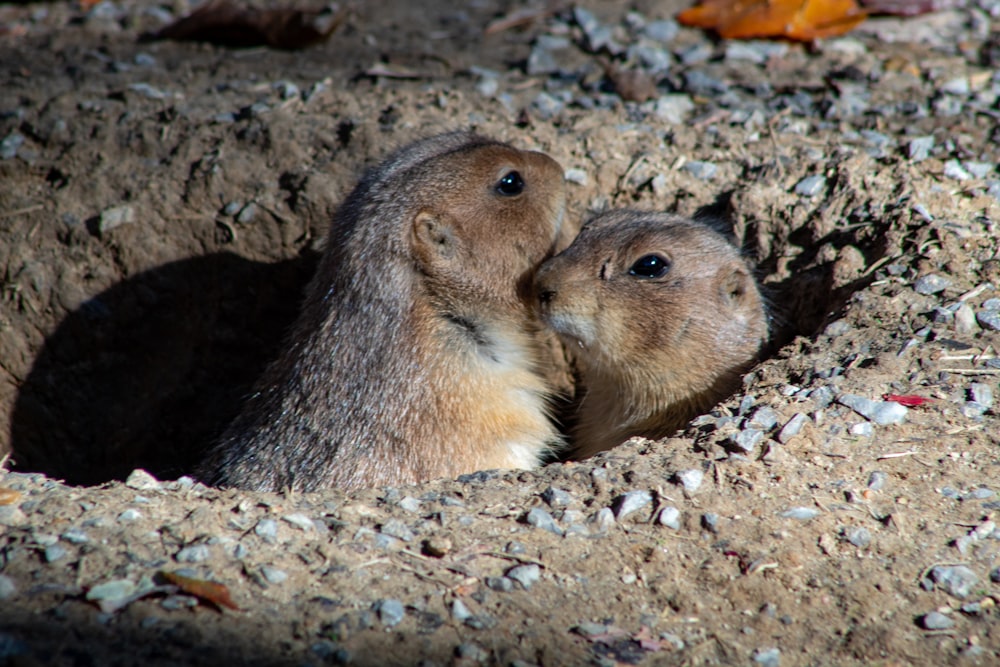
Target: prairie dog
(416,355)
(663,316)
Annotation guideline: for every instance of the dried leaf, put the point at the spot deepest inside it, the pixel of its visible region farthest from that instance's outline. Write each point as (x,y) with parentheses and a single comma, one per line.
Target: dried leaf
(225,23)
(802,20)
(207,591)
(9,496)
(909,400)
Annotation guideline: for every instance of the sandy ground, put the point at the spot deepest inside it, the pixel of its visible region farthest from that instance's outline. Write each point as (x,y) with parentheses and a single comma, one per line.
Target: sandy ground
(160,209)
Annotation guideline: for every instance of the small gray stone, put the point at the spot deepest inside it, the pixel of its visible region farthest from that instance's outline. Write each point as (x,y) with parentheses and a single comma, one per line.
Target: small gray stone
(765,418)
(390,612)
(864,429)
(131,514)
(673,109)
(982,394)
(801,513)
(75,536)
(920,148)
(232,208)
(267,530)
(577,176)
(877,480)
(499,584)
(54,553)
(459,611)
(710,522)
(954,169)
(247,214)
(936,621)
(747,439)
(670,517)
(989,319)
(115,217)
(979,169)
(410,504)
(398,529)
(547,106)
(140,480)
(696,53)
(197,553)
(540,518)
(690,479)
(931,284)
(810,186)
(526,575)
(10,144)
(116,589)
(756,51)
(556,497)
(631,502)
(604,519)
(882,413)
(300,521)
(273,575)
(470,652)
(770,657)
(858,536)
(7,587)
(956,580)
(792,428)
(995,575)
(661,31)
(542,60)
(704,171)
(965,320)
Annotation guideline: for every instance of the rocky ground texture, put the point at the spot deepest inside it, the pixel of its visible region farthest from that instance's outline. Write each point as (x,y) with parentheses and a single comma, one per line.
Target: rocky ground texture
(160,209)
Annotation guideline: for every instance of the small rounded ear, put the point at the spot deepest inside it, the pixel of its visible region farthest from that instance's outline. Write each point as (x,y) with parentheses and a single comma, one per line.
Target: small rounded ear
(736,286)
(433,238)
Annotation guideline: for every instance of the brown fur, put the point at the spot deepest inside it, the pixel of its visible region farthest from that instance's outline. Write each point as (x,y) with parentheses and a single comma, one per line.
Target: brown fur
(416,355)
(651,352)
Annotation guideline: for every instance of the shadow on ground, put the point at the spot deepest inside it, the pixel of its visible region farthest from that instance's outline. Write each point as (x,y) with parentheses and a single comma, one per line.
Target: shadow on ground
(149,372)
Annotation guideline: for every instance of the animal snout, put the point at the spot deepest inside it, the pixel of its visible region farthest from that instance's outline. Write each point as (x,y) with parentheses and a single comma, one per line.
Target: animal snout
(546,295)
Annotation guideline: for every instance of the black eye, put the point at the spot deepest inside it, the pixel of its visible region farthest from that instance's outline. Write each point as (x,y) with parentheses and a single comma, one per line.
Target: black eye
(650,266)
(511,184)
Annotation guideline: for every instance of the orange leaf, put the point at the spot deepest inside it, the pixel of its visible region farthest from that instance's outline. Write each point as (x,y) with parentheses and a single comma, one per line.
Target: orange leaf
(208,591)
(714,13)
(825,18)
(9,496)
(802,20)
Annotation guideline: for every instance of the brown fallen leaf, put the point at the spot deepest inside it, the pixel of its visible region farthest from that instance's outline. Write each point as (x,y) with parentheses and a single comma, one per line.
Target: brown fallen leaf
(207,591)
(225,23)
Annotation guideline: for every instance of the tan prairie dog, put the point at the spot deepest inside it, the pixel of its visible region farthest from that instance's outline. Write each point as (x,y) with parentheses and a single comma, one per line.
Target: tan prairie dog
(416,353)
(663,316)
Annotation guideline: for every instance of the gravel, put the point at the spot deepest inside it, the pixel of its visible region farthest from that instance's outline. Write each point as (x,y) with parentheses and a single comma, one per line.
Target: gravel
(956,580)
(801,513)
(670,517)
(810,186)
(526,575)
(858,536)
(632,501)
(540,518)
(792,427)
(882,413)
(931,284)
(691,479)
(390,612)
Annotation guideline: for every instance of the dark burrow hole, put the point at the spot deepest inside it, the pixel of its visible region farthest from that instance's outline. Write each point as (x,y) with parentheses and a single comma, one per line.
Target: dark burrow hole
(148,373)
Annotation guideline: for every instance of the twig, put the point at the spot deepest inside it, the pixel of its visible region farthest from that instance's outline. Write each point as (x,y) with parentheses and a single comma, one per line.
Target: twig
(896,455)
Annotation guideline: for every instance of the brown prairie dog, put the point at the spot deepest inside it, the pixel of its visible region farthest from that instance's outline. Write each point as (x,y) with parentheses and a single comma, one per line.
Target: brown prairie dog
(416,355)
(663,316)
